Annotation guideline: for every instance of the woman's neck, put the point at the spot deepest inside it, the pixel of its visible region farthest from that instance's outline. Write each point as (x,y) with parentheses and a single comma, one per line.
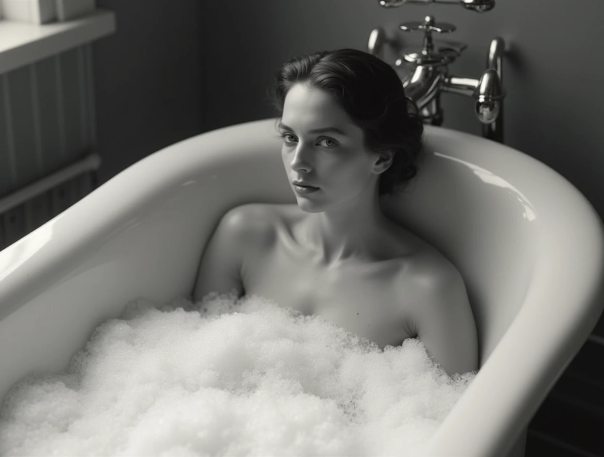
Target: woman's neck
(348,230)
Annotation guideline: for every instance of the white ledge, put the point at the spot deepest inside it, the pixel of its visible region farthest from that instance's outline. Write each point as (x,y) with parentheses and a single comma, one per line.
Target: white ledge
(22,43)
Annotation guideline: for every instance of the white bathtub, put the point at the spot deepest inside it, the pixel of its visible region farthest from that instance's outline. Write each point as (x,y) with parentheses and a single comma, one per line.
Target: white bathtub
(528,244)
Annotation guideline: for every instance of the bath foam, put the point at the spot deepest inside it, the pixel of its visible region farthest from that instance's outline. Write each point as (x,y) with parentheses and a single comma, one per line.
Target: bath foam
(227,377)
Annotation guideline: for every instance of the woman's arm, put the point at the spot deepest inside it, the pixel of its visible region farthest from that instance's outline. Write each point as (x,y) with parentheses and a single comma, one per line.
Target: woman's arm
(243,234)
(445,323)
(220,265)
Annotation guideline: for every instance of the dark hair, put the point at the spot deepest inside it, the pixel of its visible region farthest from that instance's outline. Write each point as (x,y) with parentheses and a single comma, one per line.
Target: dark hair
(372,94)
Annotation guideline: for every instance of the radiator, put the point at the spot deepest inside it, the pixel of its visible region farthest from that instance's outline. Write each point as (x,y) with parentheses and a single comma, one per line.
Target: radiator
(27,208)
(47,140)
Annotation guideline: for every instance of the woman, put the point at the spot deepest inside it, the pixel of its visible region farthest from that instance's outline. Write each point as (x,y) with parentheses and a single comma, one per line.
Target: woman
(348,138)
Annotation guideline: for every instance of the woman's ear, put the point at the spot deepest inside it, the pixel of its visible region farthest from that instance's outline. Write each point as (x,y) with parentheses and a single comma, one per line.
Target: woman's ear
(383,161)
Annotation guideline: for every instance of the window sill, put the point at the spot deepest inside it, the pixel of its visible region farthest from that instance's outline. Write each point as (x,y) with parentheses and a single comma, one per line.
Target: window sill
(22,43)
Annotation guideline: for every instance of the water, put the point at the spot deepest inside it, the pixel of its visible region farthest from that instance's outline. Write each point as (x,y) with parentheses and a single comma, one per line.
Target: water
(230,378)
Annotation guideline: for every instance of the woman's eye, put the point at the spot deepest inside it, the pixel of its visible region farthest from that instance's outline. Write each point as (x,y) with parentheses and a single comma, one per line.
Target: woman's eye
(291,139)
(328,142)
(288,138)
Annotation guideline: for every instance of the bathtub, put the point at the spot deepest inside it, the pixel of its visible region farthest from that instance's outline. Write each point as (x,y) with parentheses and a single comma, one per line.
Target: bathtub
(528,244)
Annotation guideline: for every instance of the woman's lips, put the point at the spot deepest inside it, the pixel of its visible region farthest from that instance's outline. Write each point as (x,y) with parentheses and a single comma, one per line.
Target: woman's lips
(303,188)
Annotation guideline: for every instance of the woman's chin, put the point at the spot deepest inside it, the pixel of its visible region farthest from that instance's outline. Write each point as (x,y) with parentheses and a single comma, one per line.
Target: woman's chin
(309,206)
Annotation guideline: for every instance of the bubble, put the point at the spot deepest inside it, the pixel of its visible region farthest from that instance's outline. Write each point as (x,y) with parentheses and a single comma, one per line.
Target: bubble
(228,376)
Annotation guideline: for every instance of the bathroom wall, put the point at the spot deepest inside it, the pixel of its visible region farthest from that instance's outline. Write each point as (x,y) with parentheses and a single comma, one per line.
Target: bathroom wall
(555,103)
(147,80)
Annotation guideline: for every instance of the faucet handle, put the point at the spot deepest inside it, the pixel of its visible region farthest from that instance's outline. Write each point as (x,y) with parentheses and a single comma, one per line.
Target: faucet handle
(377,39)
(428,26)
(428,54)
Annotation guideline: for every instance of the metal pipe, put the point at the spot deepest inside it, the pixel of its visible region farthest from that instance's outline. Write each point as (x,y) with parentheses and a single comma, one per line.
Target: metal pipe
(459,85)
(495,56)
(90,163)
(494,130)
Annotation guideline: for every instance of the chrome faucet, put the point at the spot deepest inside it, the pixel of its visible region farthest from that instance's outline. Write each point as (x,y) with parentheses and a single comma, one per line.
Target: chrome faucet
(429,75)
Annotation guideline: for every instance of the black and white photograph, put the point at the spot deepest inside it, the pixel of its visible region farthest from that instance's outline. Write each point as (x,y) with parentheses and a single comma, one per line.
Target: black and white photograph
(301,228)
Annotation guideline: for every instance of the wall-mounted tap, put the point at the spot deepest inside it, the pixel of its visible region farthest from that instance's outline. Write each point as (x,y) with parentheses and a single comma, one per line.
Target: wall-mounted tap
(429,75)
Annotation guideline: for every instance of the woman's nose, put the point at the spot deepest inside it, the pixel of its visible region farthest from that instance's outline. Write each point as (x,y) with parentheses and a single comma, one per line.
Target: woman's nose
(300,160)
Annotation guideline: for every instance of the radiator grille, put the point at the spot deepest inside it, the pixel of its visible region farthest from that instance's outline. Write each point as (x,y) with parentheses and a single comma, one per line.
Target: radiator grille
(28,216)
(47,124)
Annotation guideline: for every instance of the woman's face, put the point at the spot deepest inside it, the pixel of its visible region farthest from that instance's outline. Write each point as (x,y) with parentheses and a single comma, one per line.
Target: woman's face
(324,154)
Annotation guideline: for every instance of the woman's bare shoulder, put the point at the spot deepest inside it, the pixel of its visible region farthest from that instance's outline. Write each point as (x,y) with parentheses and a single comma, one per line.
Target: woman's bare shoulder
(433,284)
(257,222)
(434,263)
(422,264)
(432,271)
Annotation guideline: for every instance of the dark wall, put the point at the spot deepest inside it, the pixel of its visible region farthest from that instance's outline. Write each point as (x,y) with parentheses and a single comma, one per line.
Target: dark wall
(147,80)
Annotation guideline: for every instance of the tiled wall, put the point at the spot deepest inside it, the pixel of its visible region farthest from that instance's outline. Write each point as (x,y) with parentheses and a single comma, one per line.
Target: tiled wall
(46,123)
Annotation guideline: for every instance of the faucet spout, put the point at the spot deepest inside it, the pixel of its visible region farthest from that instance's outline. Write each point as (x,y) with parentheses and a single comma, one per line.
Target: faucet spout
(423,85)
(488,97)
